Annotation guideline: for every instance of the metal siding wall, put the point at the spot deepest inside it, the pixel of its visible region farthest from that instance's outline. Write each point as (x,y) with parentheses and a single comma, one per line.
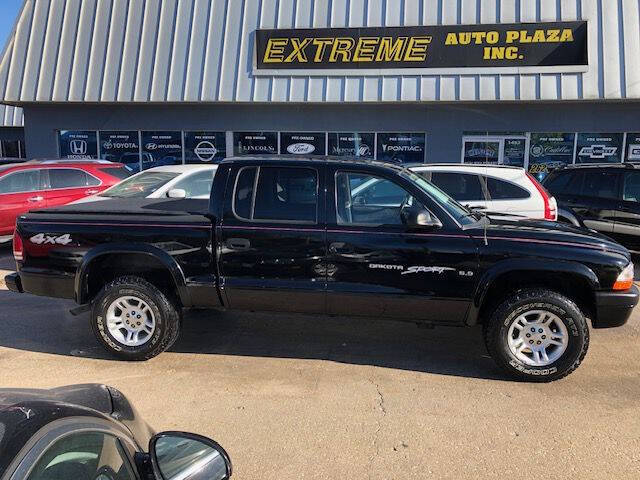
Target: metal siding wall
(203,50)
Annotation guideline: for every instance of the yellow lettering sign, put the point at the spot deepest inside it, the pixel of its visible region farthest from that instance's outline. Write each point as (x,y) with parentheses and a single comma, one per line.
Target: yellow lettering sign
(274,53)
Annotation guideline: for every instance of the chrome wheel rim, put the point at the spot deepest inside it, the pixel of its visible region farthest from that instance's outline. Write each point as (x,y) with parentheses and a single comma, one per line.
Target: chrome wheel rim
(538,338)
(130,321)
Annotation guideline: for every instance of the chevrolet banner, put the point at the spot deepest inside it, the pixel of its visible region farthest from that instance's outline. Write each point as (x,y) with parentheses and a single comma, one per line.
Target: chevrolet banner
(556,44)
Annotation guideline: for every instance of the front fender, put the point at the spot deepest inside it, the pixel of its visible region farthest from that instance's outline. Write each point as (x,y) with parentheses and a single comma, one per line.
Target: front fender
(82,274)
(525,266)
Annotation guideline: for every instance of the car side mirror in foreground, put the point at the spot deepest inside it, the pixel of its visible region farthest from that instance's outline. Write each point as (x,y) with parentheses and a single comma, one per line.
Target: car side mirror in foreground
(187,456)
(423,219)
(177,193)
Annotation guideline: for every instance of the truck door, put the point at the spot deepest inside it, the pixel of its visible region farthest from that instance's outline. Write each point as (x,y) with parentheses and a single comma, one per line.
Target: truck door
(377,266)
(273,239)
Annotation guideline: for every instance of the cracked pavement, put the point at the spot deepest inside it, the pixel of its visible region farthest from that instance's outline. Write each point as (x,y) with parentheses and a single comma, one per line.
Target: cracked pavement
(295,397)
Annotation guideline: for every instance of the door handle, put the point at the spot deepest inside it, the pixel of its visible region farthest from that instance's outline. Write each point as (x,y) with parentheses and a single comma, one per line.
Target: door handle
(35,199)
(238,244)
(91,192)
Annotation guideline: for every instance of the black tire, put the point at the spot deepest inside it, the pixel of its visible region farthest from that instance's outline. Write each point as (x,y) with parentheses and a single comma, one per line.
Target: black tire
(167,316)
(496,332)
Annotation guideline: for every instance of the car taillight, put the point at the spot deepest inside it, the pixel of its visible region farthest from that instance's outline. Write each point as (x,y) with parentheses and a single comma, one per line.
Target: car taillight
(625,279)
(550,205)
(18,247)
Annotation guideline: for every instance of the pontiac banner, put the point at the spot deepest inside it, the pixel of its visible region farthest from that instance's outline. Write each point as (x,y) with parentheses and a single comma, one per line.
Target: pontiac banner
(556,44)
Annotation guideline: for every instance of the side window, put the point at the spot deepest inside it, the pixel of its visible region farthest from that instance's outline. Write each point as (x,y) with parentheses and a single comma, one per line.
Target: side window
(282,194)
(70,178)
(601,184)
(84,456)
(631,192)
(21,182)
(374,201)
(461,186)
(501,190)
(556,183)
(197,184)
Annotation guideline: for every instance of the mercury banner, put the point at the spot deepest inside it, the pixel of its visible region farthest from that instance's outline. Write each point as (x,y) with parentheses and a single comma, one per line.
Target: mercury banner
(551,44)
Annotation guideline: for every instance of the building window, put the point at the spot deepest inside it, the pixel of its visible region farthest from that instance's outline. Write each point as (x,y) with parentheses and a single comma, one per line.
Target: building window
(204,147)
(11,149)
(122,147)
(549,151)
(352,144)
(78,144)
(161,148)
(599,148)
(303,143)
(401,147)
(255,143)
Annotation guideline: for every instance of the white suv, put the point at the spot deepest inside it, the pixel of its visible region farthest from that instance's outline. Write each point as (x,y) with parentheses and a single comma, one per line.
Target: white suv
(501,191)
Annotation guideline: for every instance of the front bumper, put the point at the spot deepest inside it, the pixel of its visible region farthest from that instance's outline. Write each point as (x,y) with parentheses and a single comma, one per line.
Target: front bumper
(13,282)
(614,308)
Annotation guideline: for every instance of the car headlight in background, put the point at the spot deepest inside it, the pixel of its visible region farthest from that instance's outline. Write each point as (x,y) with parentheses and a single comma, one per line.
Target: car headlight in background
(625,279)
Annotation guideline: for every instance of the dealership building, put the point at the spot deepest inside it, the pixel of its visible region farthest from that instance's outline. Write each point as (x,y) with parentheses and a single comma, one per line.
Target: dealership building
(536,83)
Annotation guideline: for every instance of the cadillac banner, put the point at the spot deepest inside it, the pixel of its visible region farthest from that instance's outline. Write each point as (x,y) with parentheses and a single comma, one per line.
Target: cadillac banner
(554,44)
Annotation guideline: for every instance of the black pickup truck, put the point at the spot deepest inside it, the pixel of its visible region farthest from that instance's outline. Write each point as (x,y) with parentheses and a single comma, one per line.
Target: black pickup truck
(289,235)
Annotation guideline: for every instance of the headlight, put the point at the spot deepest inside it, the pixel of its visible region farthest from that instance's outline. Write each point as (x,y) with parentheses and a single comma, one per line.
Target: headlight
(625,279)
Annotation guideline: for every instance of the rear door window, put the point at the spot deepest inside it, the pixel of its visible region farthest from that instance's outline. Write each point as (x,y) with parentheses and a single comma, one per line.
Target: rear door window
(70,178)
(461,186)
(600,184)
(631,191)
(502,190)
(281,194)
(21,182)
(556,183)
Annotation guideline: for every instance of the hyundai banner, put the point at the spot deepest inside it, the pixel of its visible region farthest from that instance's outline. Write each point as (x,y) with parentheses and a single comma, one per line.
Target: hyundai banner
(78,144)
(352,144)
(161,148)
(401,147)
(303,143)
(255,143)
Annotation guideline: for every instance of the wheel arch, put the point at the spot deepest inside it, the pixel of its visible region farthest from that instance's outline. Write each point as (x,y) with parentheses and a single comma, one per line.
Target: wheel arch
(569,216)
(158,260)
(574,280)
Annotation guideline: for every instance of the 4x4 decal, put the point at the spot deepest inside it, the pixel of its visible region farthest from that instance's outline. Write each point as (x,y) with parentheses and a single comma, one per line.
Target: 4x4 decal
(42,239)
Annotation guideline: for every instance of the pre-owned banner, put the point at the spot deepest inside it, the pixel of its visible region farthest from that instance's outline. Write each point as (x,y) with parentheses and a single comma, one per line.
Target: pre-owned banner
(204,147)
(517,45)
(352,144)
(78,144)
(401,147)
(255,143)
(303,143)
(633,147)
(599,147)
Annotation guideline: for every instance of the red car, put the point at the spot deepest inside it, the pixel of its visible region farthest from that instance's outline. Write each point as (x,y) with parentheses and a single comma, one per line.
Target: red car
(48,183)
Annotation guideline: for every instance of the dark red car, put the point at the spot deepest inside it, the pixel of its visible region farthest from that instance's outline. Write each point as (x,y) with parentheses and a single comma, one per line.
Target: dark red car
(48,183)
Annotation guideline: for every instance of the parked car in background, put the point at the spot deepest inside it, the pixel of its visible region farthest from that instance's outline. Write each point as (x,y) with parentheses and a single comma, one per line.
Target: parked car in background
(602,197)
(500,191)
(92,432)
(175,181)
(40,184)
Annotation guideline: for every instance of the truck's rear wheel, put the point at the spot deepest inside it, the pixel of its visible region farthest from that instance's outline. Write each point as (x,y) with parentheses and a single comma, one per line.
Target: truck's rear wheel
(537,335)
(134,320)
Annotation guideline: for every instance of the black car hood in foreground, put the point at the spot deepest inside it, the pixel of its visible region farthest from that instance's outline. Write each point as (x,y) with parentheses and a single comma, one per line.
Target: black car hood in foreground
(25,411)
(551,233)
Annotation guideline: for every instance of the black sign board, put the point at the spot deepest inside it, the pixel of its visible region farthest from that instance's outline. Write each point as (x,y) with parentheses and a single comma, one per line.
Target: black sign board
(401,147)
(352,144)
(204,147)
(599,147)
(78,144)
(161,148)
(551,44)
(121,147)
(303,143)
(548,151)
(255,143)
(633,147)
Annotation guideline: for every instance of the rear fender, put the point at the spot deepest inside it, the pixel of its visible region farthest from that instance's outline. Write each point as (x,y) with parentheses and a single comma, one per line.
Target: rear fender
(82,274)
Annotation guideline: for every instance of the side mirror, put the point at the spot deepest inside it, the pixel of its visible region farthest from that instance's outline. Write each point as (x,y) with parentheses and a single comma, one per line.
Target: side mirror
(422,218)
(177,193)
(180,455)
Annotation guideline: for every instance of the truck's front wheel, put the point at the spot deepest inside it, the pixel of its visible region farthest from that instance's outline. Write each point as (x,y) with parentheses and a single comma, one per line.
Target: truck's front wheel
(134,320)
(537,335)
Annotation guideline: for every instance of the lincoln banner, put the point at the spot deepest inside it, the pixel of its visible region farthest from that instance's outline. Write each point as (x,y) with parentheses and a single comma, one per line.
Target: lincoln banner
(557,46)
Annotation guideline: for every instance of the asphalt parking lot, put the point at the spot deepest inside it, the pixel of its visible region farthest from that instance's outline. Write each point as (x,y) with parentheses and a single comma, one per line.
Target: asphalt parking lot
(298,397)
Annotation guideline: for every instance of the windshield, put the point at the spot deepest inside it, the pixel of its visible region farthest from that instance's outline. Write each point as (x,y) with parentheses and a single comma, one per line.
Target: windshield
(140,185)
(463,215)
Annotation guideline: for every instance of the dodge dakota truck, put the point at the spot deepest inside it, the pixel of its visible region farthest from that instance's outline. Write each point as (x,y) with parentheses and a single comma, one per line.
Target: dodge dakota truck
(290,235)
